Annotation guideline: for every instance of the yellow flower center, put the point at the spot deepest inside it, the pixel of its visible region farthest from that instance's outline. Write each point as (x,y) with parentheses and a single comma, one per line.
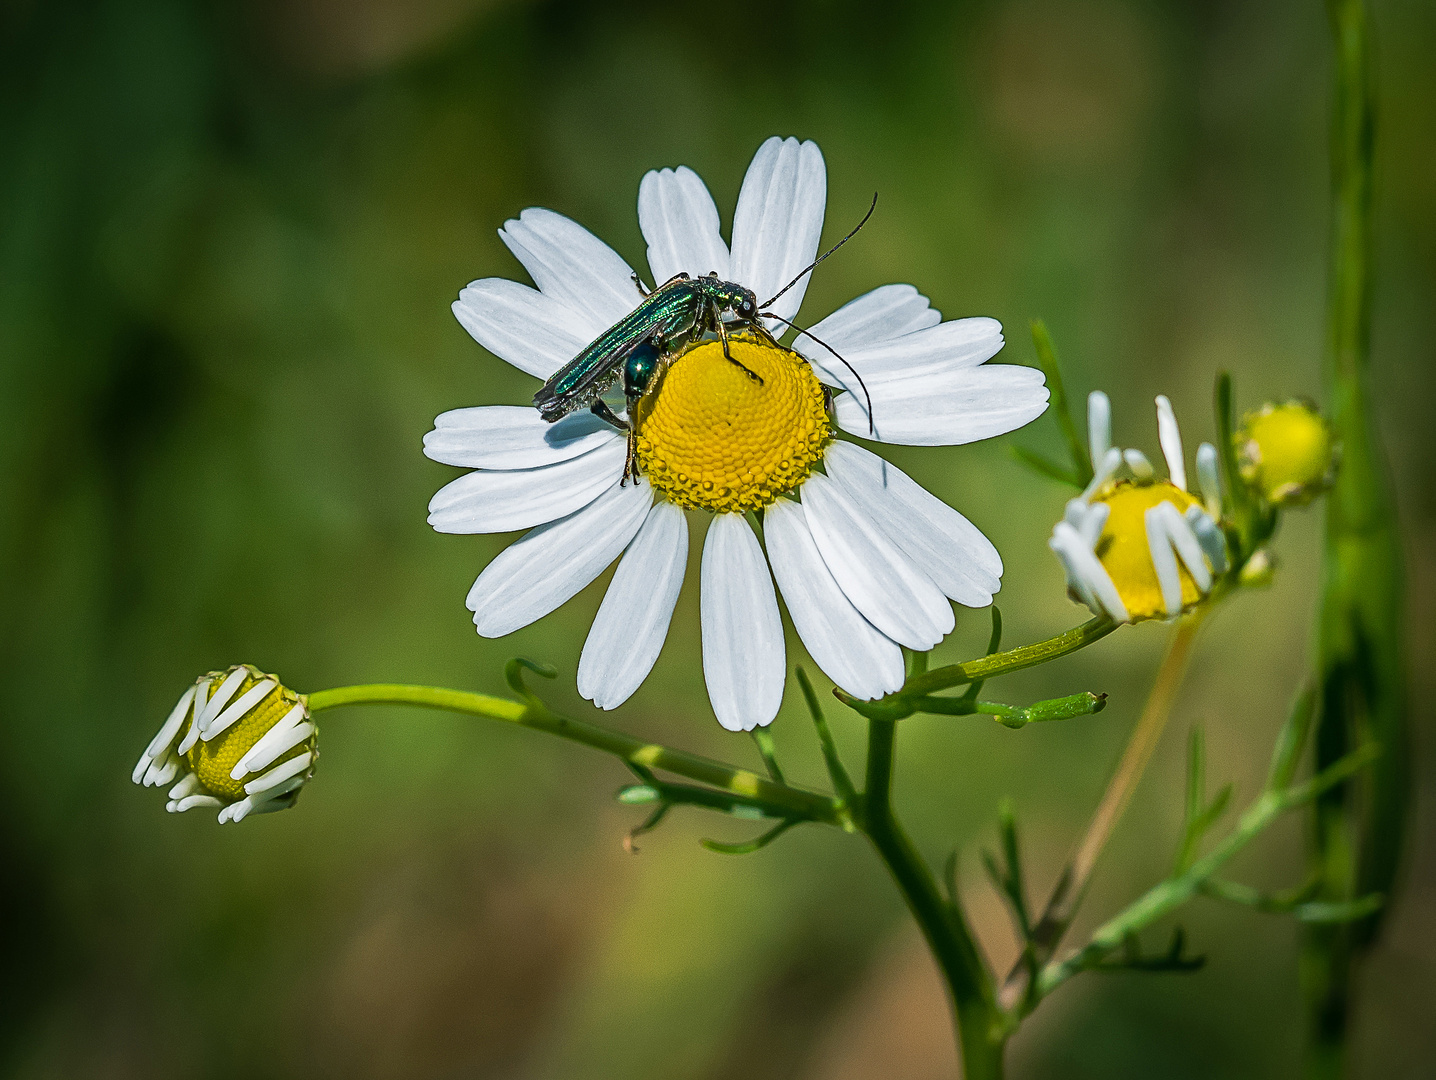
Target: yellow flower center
(710,437)
(1286,452)
(1125,553)
(213,761)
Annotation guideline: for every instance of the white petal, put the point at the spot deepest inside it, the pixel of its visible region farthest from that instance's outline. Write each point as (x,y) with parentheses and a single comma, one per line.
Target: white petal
(779,220)
(959,406)
(632,622)
(574,267)
(512,437)
(924,354)
(1188,548)
(1138,463)
(952,550)
(533,332)
(241,706)
(1209,479)
(893,594)
(168,730)
(888,312)
(280,773)
(1099,427)
(744,662)
(1163,561)
(500,501)
(1104,468)
(546,567)
(1170,436)
(854,653)
(1087,573)
(680,222)
(1209,535)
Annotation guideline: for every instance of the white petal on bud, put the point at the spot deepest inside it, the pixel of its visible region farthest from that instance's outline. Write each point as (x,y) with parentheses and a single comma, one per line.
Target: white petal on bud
(1098,591)
(189,802)
(1099,427)
(1104,471)
(201,698)
(1170,436)
(1209,535)
(1093,524)
(1209,479)
(1163,561)
(246,701)
(280,773)
(170,728)
(284,736)
(188,785)
(1138,463)
(1184,540)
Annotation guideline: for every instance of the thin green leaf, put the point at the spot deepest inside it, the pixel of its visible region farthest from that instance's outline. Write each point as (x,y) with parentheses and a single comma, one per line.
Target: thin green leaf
(750,846)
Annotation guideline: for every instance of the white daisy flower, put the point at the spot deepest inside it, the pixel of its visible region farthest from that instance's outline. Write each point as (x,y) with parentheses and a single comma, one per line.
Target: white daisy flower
(1135,547)
(238,741)
(865,559)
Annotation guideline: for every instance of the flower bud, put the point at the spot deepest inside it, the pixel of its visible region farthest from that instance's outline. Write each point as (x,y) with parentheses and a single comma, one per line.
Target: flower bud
(237,740)
(1259,571)
(1286,452)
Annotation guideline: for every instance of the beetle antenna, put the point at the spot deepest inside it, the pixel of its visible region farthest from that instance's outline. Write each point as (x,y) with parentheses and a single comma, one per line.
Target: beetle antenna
(823,256)
(824,344)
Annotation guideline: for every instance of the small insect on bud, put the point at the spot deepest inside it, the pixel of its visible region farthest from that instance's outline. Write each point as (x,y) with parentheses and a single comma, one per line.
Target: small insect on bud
(1287,452)
(237,740)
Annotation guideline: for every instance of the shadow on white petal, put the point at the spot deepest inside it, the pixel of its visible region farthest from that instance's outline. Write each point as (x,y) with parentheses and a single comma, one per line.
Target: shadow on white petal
(632,622)
(543,569)
(513,437)
(950,549)
(850,650)
(504,500)
(877,576)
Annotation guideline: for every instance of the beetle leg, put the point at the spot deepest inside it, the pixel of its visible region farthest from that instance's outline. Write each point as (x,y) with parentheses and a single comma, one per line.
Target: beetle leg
(601,410)
(643,290)
(723,337)
(764,333)
(630,462)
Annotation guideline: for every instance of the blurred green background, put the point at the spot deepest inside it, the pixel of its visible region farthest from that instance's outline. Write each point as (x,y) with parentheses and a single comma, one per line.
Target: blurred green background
(229,235)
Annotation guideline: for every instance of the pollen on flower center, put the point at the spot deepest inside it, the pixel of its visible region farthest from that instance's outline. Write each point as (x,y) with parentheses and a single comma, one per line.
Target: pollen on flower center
(710,437)
(1124,550)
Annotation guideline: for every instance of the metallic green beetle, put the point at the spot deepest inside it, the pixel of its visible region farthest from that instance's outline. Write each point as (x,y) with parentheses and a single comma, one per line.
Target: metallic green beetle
(678,312)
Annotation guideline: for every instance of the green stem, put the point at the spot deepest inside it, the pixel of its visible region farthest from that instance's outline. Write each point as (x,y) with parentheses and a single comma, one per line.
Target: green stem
(1361,665)
(981,1031)
(1071,887)
(1164,898)
(903,702)
(776,800)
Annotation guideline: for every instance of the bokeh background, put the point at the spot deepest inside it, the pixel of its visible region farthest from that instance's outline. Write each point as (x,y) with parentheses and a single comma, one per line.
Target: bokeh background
(229,235)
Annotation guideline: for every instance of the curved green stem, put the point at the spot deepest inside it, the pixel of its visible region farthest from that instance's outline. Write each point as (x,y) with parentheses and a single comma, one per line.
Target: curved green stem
(981,1031)
(904,702)
(776,800)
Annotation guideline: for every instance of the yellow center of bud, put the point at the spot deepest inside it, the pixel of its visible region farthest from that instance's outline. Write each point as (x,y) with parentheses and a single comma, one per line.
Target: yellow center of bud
(213,760)
(1286,452)
(711,437)
(1127,556)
